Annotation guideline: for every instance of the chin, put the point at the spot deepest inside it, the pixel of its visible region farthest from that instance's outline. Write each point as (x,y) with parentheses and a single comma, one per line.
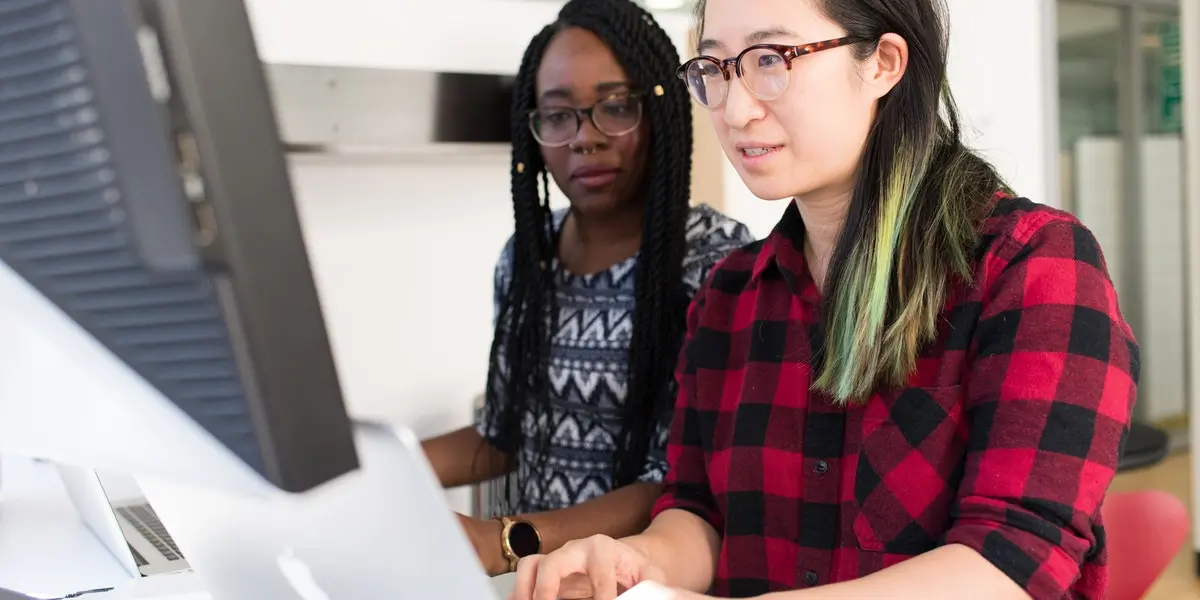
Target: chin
(774,183)
(593,203)
(769,188)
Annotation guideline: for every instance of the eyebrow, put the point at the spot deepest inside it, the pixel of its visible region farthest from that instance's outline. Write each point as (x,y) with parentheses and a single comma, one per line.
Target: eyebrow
(758,37)
(604,87)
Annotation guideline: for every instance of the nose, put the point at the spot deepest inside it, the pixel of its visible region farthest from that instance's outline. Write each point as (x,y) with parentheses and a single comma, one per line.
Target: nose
(741,107)
(588,135)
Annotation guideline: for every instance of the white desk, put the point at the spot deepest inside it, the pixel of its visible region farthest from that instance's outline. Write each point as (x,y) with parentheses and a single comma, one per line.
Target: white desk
(47,551)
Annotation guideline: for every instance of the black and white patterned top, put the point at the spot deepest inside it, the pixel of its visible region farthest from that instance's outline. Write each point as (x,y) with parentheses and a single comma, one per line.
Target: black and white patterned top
(587,370)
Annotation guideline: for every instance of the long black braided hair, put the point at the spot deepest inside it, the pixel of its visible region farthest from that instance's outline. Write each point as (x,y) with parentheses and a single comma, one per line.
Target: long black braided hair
(528,313)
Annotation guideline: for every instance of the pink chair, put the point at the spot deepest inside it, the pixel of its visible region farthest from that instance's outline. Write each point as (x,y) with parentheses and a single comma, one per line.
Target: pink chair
(1145,530)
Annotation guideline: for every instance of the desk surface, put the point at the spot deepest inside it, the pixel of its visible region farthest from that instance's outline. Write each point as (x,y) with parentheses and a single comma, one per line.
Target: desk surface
(45,549)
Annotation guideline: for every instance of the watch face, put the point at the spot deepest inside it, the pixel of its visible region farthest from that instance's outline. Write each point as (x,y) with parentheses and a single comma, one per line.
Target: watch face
(523,539)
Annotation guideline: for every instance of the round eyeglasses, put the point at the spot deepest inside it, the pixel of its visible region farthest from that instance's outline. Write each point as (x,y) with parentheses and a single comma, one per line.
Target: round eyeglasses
(763,69)
(613,116)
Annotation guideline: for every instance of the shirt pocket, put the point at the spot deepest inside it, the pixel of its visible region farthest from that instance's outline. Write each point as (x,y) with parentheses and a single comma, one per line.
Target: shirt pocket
(908,468)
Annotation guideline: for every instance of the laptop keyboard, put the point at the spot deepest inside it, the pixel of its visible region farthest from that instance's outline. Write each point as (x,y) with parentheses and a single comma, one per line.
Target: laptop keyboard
(138,559)
(143,518)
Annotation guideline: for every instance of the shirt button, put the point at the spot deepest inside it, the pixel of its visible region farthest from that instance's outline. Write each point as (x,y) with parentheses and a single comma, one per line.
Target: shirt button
(810,577)
(821,467)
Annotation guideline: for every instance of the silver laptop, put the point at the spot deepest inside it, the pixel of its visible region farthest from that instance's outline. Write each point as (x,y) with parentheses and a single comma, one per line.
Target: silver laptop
(384,531)
(115,510)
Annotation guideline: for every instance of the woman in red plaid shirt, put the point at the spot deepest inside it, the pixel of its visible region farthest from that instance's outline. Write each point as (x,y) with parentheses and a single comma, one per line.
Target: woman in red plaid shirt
(917,386)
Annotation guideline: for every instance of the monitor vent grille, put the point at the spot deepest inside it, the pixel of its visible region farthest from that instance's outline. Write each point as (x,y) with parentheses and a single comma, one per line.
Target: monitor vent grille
(63,227)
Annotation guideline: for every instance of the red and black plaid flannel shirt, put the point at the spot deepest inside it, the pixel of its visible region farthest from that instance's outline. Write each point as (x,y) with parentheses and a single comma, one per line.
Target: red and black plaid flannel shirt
(1005,441)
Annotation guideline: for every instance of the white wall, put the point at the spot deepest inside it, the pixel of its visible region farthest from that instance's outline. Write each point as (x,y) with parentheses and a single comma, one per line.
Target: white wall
(1007,93)
(478,36)
(405,314)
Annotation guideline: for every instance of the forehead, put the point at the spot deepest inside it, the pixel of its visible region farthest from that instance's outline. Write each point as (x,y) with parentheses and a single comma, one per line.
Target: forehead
(731,25)
(578,66)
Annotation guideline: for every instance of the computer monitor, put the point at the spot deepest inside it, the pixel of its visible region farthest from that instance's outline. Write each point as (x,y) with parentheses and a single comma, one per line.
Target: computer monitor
(157,310)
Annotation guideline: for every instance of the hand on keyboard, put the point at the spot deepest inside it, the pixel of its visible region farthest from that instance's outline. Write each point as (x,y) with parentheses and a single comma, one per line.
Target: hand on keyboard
(596,568)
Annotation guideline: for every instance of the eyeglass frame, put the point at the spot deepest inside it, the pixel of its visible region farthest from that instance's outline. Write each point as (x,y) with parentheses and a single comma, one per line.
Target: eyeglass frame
(637,95)
(788,52)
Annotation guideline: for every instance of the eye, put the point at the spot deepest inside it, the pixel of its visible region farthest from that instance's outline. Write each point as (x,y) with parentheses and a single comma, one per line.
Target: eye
(617,106)
(556,117)
(770,60)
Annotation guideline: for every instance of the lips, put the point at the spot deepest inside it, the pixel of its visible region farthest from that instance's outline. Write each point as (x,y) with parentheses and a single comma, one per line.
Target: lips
(593,171)
(756,149)
(595,177)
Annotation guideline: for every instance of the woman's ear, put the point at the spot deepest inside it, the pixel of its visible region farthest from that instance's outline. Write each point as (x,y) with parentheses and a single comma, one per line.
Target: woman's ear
(886,66)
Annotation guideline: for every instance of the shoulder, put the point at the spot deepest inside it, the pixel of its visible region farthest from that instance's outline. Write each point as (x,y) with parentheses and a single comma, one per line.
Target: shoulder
(707,228)
(1041,279)
(1021,218)
(503,273)
(559,215)
(710,237)
(504,262)
(1038,259)
(1018,229)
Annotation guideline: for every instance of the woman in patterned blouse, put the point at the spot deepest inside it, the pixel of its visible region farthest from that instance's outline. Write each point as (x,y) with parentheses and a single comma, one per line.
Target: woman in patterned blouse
(917,386)
(590,301)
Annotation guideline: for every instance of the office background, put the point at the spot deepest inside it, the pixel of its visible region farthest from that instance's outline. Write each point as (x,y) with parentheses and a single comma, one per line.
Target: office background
(1080,103)
(404,236)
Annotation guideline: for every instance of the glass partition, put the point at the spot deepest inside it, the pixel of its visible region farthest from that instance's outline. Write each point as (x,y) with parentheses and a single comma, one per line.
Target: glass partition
(1122,173)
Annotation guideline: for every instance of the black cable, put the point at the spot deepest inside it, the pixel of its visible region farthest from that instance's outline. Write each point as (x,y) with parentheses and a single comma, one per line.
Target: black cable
(78,594)
(87,592)
(7,594)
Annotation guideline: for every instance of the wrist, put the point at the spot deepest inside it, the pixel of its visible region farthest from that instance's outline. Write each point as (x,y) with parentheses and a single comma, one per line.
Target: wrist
(518,538)
(492,552)
(645,545)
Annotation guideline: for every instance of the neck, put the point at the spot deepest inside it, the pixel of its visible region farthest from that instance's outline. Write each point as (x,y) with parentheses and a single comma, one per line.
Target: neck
(823,215)
(590,243)
(608,228)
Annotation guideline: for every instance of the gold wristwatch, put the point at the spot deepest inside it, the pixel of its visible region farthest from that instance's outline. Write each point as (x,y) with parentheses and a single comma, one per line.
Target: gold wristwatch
(518,539)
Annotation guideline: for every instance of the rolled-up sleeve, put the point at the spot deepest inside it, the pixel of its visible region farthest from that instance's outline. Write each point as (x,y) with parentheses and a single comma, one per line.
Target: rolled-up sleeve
(1049,396)
(686,484)
(490,420)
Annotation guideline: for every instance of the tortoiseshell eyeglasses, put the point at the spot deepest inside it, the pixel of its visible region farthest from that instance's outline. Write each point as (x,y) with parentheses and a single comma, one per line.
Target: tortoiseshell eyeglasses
(763,69)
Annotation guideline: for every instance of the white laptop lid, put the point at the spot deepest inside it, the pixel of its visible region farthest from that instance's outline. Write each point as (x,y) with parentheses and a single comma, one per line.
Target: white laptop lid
(100,498)
(88,496)
(384,531)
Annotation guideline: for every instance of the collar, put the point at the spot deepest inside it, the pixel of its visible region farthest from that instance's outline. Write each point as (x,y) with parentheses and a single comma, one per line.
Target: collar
(784,250)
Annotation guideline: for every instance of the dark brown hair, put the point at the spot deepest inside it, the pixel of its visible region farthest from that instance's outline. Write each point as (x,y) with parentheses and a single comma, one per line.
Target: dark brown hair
(918,199)
(528,311)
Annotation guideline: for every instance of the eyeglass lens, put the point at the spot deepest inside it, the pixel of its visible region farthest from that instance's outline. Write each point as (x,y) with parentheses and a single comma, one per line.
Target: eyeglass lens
(613,116)
(763,70)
